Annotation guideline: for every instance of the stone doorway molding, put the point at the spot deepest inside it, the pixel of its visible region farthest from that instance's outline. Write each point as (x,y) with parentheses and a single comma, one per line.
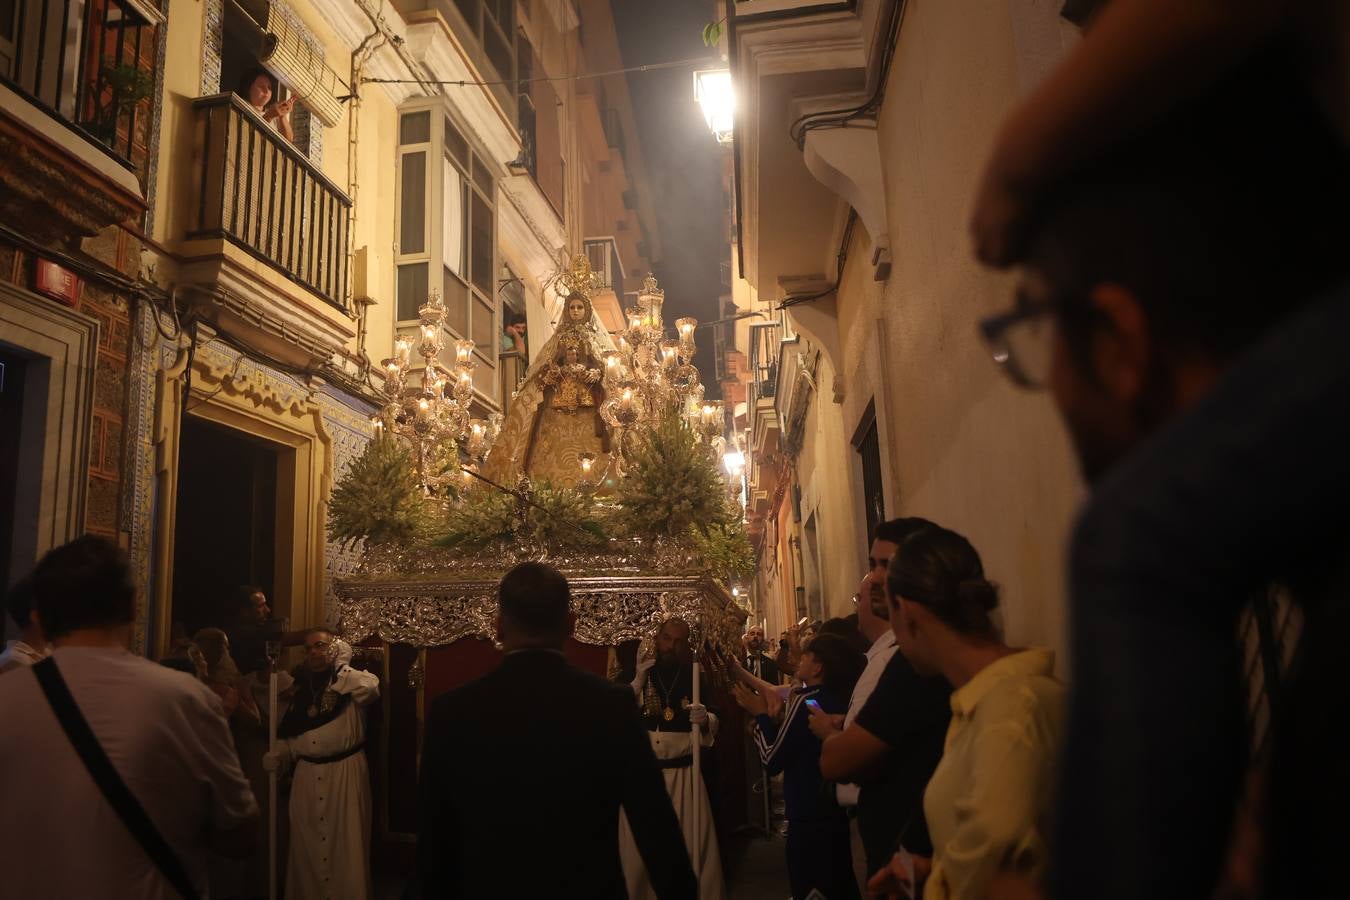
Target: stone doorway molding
(232,390)
(60,346)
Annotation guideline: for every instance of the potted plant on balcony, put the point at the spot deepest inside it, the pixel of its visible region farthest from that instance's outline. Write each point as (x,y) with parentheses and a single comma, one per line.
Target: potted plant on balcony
(116,90)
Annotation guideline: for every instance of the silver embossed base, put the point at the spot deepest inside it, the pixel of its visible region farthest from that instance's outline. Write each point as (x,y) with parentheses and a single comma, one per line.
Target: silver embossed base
(433,598)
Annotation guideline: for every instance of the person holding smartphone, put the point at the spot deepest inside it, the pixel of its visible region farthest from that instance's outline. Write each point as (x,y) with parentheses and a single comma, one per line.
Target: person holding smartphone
(818,853)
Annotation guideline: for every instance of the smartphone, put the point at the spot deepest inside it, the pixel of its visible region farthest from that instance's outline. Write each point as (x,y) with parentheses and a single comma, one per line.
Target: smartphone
(814,704)
(801,621)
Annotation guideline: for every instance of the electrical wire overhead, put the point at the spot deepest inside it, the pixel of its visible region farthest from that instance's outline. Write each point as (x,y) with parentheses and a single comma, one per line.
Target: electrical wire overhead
(471,82)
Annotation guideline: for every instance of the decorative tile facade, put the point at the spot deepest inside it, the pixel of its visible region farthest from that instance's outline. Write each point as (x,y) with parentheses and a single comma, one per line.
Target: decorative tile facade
(348,424)
(149,353)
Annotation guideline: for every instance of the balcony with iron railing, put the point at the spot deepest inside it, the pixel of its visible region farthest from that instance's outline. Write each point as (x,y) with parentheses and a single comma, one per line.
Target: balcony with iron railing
(603,255)
(91,65)
(766,355)
(77,94)
(262,195)
(266,231)
(607,264)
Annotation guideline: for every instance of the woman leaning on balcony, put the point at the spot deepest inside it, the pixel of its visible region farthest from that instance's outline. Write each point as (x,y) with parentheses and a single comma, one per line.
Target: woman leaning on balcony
(257,88)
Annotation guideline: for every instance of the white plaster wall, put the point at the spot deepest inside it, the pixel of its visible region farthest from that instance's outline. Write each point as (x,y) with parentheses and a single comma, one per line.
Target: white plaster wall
(960,445)
(971,452)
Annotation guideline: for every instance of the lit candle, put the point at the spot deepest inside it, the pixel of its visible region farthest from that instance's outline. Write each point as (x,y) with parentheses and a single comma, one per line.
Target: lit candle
(423,407)
(627,400)
(686,327)
(377,424)
(428,332)
(462,351)
(402,349)
(587,460)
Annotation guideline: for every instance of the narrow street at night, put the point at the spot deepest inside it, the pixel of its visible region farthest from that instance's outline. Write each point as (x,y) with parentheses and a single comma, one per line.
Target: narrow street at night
(673,449)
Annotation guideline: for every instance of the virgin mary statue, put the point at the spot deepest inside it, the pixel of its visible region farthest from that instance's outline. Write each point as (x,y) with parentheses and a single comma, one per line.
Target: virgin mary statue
(555,417)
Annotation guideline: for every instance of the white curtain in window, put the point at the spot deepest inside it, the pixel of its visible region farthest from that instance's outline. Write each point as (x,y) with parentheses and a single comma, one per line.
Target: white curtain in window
(453,222)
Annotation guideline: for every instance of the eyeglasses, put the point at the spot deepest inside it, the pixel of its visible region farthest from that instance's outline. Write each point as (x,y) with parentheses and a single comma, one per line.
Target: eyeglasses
(1021,341)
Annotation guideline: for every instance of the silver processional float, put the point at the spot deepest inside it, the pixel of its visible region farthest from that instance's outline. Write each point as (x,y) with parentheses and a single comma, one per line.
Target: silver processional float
(607,465)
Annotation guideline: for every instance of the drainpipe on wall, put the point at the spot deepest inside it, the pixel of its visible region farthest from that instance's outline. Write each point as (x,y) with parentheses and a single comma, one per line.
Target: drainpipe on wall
(359,57)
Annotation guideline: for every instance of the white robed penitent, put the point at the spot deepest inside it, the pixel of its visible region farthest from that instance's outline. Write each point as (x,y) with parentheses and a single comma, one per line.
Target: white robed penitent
(330,804)
(689,796)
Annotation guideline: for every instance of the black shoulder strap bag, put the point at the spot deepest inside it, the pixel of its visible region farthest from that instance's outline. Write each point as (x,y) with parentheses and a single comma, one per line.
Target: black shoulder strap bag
(123,802)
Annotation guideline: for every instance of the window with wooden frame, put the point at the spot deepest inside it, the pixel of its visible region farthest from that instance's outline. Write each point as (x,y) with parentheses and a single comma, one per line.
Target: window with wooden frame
(446,235)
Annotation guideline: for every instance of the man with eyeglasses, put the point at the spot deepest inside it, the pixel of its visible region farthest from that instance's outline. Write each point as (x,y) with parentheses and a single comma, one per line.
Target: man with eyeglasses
(884,750)
(1204,243)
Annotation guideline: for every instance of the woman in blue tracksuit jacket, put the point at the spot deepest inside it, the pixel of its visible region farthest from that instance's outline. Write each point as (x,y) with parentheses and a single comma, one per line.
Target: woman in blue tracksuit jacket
(818,852)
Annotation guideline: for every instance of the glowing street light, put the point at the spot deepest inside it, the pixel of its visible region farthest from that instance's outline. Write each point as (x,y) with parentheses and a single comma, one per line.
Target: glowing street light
(717,99)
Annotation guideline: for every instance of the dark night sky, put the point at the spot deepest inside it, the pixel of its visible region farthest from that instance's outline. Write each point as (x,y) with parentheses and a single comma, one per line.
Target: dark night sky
(683,161)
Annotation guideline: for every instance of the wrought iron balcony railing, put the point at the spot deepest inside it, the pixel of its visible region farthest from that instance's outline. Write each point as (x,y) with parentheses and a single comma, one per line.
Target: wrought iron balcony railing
(89,64)
(603,254)
(261,194)
(766,343)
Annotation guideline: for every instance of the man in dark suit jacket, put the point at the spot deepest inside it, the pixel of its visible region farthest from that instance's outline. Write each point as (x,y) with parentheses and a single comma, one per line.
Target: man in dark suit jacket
(524,770)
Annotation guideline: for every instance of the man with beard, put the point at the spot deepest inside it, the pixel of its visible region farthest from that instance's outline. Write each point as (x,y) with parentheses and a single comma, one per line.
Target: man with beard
(757,662)
(323,735)
(1180,300)
(665,691)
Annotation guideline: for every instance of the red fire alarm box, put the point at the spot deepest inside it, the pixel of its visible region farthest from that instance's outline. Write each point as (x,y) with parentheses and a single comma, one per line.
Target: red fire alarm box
(57,282)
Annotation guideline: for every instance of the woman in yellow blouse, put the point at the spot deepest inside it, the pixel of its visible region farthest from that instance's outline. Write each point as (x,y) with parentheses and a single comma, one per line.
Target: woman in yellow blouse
(987,801)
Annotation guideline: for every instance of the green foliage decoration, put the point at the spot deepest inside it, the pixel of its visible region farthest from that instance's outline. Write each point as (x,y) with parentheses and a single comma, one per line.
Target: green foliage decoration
(568,518)
(672,483)
(481,516)
(561,517)
(379,498)
(726,549)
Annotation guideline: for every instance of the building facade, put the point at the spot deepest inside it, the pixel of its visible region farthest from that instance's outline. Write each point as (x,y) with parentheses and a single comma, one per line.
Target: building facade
(860,132)
(196,307)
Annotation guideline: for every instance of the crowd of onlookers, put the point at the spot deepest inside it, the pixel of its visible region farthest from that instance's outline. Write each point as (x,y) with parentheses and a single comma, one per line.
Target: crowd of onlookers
(168,762)
(1175,194)
(916,747)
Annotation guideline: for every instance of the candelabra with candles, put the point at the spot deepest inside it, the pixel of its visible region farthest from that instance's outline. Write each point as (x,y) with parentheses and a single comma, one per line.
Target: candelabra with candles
(433,414)
(650,374)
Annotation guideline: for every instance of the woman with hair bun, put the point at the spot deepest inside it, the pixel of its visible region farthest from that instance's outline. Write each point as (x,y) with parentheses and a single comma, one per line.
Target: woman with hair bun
(988,799)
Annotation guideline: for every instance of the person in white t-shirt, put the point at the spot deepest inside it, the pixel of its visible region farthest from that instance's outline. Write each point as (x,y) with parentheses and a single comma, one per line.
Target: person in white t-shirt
(162,730)
(31,644)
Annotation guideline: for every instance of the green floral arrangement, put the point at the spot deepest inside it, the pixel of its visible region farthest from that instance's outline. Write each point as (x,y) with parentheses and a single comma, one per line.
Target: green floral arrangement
(726,549)
(481,516)
(379,498)
(672,484)
(565,517)
(559,517)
